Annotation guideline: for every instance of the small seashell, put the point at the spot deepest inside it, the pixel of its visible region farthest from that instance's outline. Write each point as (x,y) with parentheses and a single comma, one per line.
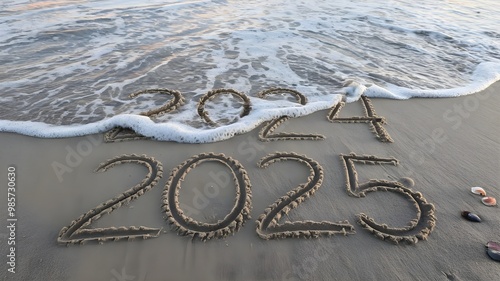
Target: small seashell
(493,250)
(493,245)
(489,201)
(494,255)
(470,216)
(478,190)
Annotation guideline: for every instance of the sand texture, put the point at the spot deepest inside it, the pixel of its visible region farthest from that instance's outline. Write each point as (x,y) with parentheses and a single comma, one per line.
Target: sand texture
(375,193)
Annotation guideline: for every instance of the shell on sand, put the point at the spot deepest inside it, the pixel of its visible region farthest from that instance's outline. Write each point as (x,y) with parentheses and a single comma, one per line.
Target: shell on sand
(494,255)
(471,216)
(493,250)
(478,190)
(489,201)
(493,245)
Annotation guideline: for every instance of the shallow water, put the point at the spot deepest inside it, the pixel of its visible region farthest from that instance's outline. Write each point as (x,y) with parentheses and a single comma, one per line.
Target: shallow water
(75,62)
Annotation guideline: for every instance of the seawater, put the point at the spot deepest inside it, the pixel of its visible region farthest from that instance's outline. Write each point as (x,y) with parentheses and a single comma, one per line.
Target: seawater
(68,66)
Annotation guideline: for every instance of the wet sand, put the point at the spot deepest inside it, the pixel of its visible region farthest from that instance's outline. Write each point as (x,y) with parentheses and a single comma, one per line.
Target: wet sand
(254,214)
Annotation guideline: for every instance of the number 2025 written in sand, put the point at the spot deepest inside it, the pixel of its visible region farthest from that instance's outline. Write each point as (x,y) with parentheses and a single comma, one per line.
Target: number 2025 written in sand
(268,224)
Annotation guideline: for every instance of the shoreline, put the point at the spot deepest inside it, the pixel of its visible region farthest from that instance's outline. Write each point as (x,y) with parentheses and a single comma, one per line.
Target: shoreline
(484,77)
(445,145)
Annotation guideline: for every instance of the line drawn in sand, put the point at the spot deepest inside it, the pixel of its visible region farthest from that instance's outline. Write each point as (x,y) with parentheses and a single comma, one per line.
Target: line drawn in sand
(267,226)
(126,134)
(267,131)
(418,228)
(231,223)
(370,117)
(247,106)
(77,233)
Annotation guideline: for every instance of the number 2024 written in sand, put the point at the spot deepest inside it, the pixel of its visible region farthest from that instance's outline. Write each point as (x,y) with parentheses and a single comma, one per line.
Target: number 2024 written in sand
(267,131)
(267,224)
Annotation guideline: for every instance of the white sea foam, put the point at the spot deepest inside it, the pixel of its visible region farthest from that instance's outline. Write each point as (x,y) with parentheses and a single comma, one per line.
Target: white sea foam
(262,110)
(484,75)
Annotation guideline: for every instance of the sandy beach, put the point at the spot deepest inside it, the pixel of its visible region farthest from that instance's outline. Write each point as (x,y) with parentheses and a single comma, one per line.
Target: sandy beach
(446,146)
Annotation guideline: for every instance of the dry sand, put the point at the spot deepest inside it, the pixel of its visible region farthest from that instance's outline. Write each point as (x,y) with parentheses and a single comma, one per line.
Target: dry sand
(445,145)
